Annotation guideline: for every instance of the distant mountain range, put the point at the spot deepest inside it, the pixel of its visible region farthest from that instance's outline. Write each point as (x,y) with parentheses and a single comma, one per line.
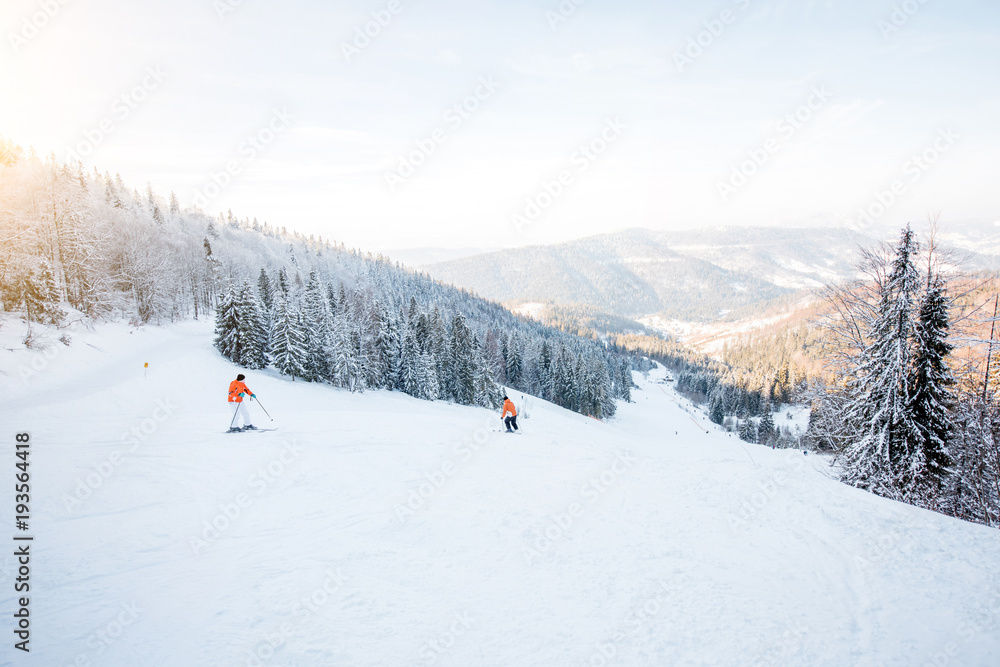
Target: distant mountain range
(423,256)
(700,276)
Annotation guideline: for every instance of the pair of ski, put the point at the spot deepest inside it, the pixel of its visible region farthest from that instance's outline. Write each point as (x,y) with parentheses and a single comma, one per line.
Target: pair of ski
(248,430)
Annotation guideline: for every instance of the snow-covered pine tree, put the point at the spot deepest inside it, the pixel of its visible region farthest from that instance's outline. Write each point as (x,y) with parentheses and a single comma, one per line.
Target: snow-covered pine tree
(288,341)
(972,491)
(623,385)
(515,366)
(429,381)
(412,373)
(413,314)
(564,383)
(377,347)
(886,448)
(391,346)
(748,430)
(605,403)
(256,328)
(39,295)
(439,349)
(346,371)
(504,354)
(265,291)
(544,371)
(462,371)
(331,300)
(283,284)
(316,319)
(227,319)
(932,399)
(488,393)
(579,376)
(239,328)
(765,429)
(716,412)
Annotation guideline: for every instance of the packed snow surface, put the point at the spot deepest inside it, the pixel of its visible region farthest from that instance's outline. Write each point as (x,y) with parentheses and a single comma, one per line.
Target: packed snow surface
(376,529)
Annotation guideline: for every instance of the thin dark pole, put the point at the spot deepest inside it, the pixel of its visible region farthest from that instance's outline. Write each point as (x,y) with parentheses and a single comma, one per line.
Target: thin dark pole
(989,356)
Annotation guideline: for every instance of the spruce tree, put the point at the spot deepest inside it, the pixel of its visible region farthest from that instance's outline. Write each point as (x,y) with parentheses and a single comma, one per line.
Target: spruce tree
(265,290)
(288,341)
(624,383)
(765,429)
(346,368)
(545,380)
(462,372)
(932,397)
(412,367)
(429,382)
(883,456)
(316,318)
(239,328)
(389,348)
(716,413)
(514,362)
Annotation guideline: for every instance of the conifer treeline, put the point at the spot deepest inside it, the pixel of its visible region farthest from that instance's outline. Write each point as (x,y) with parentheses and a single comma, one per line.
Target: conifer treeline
(357,340)
(316,310)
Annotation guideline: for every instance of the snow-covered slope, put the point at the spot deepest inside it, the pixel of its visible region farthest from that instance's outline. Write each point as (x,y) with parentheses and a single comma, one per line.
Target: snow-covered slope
(376,529)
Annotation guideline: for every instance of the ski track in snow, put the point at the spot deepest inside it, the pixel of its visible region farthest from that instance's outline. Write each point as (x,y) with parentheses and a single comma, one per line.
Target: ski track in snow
(576,541)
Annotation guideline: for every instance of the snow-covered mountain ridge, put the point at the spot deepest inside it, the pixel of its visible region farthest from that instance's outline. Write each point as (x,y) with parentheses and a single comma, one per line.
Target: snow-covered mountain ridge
(695,276)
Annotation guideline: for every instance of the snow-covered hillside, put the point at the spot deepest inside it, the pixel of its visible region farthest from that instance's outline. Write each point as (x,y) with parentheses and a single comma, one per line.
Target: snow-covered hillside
(377,529)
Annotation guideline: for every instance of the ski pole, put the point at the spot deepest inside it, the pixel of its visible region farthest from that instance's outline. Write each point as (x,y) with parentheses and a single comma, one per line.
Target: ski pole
(263,408)
(236,411)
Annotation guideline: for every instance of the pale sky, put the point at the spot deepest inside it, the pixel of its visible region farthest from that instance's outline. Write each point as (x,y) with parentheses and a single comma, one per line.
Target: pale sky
(883,88)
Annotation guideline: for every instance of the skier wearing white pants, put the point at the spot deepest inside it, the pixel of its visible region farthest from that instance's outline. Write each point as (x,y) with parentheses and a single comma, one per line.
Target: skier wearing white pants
(237,392)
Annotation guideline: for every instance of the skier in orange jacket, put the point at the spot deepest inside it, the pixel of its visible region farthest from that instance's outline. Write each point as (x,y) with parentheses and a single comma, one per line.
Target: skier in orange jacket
(508,406)
(237,391)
